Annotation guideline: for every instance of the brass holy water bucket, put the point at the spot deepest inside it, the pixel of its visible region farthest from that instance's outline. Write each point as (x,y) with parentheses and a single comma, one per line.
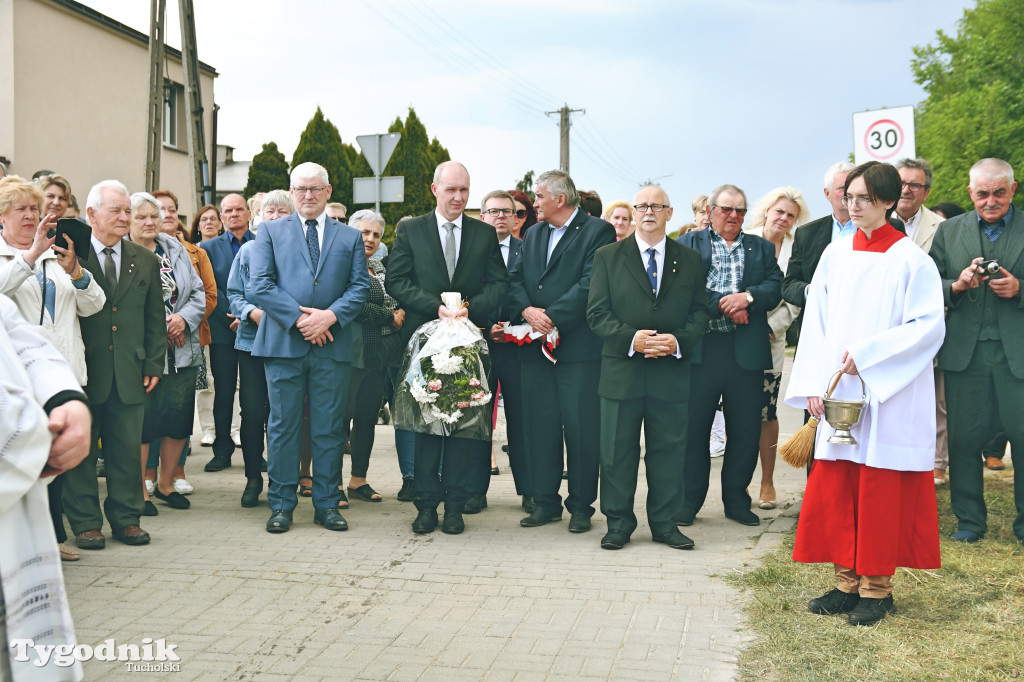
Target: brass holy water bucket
(842,414)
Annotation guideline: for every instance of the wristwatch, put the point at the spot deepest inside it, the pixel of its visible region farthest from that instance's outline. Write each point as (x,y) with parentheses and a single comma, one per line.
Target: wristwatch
(750,298)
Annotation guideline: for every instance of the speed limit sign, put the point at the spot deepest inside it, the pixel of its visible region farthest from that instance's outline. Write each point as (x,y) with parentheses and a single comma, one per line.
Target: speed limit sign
(883,135)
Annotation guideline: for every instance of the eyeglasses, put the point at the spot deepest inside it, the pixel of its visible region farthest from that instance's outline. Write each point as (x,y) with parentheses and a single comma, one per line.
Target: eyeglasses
(850,201)
(656,208)
(499,211)
(315,191)
(726,210)
(521,213)
(914,186)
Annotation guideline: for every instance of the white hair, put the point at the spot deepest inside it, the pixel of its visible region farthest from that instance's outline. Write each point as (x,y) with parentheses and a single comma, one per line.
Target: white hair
(830,174)
(366,214)
(95,197)
(279,198)
(991,169)
(140,198)
(308,170)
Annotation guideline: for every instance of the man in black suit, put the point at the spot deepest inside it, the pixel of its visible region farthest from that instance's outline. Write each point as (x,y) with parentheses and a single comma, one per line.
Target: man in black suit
(549,288)
(125,344)
(433,253)
(498,210)
(647,302)
(743,286)
(811,239)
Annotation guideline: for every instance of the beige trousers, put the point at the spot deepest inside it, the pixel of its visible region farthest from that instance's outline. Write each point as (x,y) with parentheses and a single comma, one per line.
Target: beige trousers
(873,586)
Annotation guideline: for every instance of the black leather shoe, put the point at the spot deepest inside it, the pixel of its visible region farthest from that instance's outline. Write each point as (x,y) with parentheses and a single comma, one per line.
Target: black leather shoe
(426,521)
(149,509)
(406,493)
(744,516)
(330,518)
(475,504)
(870,610)
(614,539)
(251,494)
(674,539)
(174,499)
(280,521)
(218,463)
(832,602)
(579,522)
(453,523)
(538,517)
(528,505)
(685,517)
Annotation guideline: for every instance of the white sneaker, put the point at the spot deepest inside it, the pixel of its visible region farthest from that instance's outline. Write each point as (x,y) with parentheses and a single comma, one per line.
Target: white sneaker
(183,487)
(149,486)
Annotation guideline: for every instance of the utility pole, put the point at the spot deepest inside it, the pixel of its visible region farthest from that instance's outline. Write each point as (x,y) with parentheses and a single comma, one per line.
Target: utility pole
(195,132)
(564,123)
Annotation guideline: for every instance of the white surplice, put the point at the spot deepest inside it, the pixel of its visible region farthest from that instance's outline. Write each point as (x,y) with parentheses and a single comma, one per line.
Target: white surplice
(887,310)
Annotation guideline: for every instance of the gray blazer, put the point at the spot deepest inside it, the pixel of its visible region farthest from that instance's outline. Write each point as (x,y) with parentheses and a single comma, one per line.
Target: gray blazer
(191,303)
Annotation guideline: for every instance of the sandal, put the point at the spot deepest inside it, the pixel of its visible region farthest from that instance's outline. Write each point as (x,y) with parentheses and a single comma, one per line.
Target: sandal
(365,493)
(306,490)
(343,502)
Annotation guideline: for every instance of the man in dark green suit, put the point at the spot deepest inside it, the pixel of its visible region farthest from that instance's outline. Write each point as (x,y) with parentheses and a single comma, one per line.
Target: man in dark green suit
(982,355)
(648,305)
(125,344)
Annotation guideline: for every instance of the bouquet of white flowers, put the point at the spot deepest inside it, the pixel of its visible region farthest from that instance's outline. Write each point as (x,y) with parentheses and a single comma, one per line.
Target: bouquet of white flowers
(444,388)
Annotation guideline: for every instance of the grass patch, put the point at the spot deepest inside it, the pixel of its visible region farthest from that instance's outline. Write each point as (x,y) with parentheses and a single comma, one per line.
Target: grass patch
(964,621)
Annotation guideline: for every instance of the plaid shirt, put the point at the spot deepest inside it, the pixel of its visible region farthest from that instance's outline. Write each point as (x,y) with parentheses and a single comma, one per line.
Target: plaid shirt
(725,275)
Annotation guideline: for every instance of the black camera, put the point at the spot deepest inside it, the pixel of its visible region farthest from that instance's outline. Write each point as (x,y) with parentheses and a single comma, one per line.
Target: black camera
(989,268)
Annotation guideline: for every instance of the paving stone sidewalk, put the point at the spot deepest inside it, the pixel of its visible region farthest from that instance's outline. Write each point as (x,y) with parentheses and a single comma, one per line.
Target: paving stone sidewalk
(377,602)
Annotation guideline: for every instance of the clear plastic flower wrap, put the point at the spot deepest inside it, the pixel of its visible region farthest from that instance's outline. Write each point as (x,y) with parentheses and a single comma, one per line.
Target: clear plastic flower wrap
(443,389)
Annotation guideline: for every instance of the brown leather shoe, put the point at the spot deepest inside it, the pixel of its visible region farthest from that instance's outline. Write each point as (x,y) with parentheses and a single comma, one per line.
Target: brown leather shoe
(994,464)
(132,535)
(90,539)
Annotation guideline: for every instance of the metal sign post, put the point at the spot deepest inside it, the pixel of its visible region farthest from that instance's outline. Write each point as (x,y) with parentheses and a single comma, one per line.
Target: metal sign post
(377,149)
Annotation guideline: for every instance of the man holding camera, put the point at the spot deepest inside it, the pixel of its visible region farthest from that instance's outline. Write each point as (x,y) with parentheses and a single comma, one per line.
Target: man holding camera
(982,356)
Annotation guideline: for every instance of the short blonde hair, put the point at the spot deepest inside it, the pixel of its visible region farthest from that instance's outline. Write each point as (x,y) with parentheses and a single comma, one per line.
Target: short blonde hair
(620,203)
(14,187)
(760,213)
(45,181)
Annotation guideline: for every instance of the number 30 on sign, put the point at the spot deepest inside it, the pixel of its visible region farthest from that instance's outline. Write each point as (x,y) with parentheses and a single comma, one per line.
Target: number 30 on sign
(883,135)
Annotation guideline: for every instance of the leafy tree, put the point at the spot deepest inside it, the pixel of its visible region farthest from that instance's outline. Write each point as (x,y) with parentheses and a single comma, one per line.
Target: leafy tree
(526,184)
(269,171)
(975,103)
(321,143)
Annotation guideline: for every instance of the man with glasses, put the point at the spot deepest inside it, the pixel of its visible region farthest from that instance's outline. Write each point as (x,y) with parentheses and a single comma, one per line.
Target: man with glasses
(982,356)
(308,275)
(549,288)
(647,302)
(743,286)
(920,223)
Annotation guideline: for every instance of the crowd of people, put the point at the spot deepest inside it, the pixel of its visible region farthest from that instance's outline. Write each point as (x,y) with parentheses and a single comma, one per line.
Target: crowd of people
(283,323)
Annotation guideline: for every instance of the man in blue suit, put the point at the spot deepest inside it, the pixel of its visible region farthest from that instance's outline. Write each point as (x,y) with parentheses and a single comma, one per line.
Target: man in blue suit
(310,278)
(744,283)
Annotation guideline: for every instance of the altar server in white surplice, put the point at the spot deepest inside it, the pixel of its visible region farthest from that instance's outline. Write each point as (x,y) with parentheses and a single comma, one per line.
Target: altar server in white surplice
(874,309)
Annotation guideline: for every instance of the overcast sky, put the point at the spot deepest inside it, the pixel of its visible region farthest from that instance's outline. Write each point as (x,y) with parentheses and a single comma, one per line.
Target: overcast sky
(755,93)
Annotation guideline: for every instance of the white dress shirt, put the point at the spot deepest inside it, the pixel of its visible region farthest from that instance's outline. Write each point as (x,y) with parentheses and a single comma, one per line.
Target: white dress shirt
(556,233)
(505,245)
(443,233)
(101,257)
(913,222)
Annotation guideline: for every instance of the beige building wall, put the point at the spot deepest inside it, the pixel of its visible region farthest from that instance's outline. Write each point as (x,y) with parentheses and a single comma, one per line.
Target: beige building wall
(74,96)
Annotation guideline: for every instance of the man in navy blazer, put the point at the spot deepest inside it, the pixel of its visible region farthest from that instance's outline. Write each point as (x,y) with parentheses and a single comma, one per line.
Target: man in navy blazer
(744,283)
(224,365)
(310,278)
(549,289)
(498,209)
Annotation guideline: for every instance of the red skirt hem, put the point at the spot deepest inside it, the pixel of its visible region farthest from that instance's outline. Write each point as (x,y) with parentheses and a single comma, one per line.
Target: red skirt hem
(867,519)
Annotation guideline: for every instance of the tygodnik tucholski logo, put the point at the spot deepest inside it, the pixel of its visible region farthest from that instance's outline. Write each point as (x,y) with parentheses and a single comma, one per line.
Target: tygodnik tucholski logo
(149,656)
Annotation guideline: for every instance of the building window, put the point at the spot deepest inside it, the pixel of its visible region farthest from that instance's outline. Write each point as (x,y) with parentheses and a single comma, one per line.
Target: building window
(172,95)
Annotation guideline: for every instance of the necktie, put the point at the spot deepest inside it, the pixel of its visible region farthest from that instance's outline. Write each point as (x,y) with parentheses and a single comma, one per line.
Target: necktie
(449,249)
(109,269)
(993,230)
(652,271)
(313,242)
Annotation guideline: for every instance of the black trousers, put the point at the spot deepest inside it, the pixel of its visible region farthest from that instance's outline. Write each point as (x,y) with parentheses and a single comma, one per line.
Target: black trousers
(507,370)
(719,377)
(365,390)
(53,493)
(563,404)
(451,487)
(233,368)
